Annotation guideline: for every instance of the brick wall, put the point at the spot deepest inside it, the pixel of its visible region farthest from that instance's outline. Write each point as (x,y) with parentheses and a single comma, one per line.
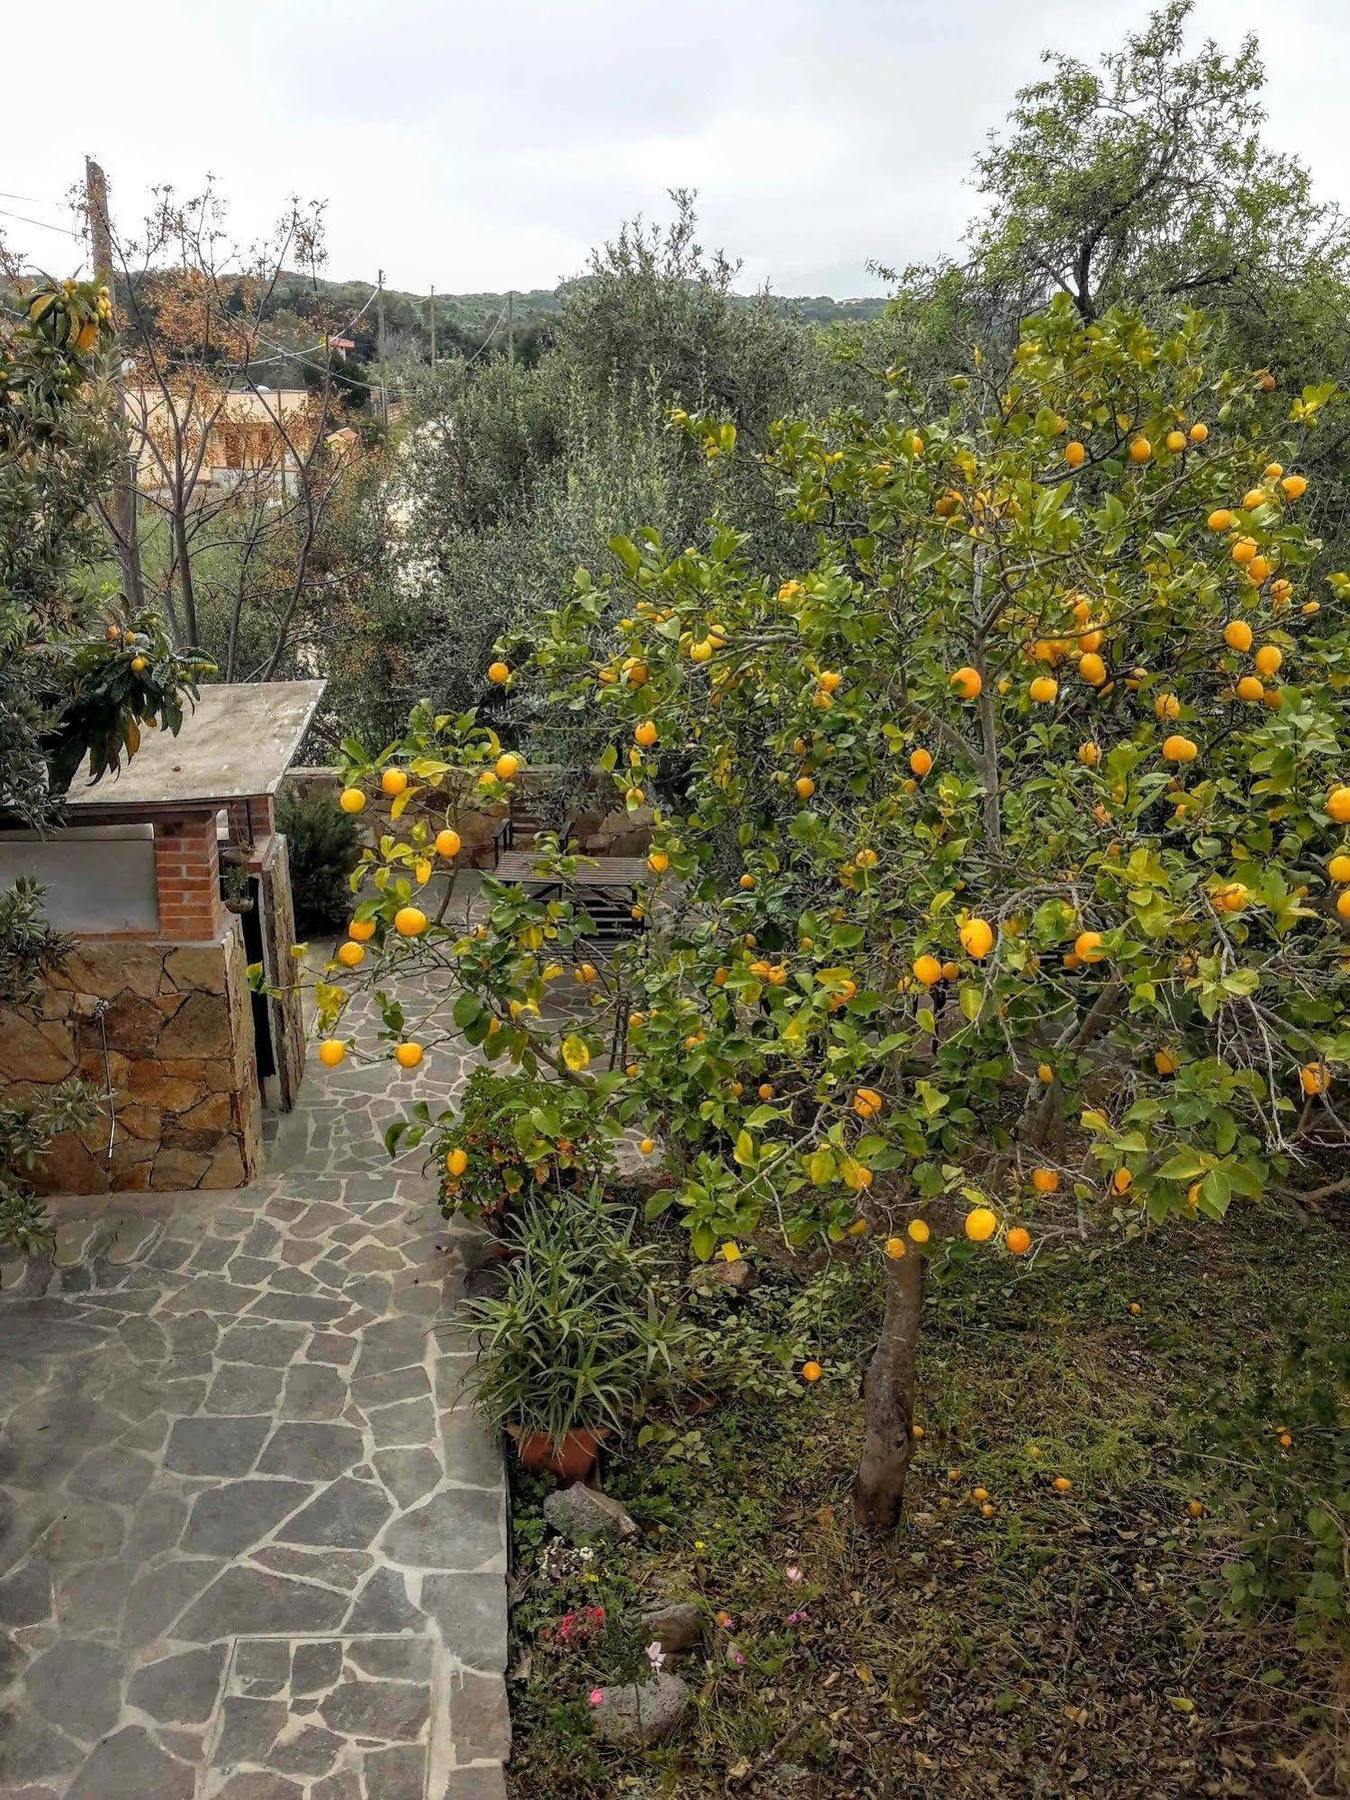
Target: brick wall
(187,879)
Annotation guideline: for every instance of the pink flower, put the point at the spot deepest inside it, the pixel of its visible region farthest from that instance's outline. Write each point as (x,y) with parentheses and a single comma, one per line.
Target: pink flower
(792,1572)
(737,1656)
(795,1618)
(597,1696)
(655,1654)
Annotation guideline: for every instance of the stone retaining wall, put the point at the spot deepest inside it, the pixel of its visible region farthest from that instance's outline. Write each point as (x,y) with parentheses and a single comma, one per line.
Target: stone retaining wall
(167,1031)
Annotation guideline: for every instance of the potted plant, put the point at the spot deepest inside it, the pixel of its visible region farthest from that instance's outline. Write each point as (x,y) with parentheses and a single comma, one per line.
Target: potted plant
(584,1332)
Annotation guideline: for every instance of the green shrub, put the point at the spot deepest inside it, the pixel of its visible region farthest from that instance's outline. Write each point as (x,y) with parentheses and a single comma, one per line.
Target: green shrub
(325,846)
(523,1136)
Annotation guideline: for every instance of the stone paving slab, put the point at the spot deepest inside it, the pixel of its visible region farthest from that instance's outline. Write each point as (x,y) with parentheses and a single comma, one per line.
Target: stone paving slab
(252,1538)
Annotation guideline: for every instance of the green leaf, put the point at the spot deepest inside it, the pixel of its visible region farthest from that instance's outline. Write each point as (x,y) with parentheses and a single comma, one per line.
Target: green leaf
(1183,1165)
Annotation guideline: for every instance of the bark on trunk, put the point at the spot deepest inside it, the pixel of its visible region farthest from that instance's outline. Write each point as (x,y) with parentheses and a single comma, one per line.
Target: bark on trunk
(888,1399)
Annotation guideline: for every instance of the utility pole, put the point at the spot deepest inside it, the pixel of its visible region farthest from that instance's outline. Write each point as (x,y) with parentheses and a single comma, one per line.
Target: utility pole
(433,325)
(124,473)
(379,328)
(511,329)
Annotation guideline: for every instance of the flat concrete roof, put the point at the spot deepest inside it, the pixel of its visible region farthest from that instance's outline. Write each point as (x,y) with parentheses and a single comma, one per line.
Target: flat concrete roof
(236,744)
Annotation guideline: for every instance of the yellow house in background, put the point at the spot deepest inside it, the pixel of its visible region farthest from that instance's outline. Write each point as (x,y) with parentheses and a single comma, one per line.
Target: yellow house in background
(220,439)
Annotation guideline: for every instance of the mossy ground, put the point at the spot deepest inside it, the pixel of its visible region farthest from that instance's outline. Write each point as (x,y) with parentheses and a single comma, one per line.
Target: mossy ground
(1084,1644)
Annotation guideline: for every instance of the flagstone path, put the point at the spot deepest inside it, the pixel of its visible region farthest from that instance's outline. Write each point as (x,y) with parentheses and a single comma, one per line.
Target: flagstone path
(252,1539)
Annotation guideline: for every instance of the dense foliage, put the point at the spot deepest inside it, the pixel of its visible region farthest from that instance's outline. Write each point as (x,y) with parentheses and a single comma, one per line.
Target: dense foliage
(322,848)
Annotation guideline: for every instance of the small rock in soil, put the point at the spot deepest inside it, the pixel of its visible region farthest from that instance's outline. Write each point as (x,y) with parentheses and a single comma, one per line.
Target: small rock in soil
(676,1628)
(740,1276)
(642,1713)
(582,1514)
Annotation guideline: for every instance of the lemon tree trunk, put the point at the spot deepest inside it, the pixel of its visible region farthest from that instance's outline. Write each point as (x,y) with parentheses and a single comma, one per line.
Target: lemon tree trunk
(888,1399)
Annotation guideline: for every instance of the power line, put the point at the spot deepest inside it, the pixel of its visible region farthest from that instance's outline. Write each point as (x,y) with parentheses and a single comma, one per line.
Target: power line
(42,225)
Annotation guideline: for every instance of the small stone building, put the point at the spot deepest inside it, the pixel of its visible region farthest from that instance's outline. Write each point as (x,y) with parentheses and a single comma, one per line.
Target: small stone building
(173,881)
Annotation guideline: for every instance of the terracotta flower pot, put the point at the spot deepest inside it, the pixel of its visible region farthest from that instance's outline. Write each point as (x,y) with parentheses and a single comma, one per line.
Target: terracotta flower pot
(570,1458)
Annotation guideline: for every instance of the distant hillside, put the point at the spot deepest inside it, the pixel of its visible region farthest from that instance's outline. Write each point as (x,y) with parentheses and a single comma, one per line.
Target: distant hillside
(475,314)
(466,324)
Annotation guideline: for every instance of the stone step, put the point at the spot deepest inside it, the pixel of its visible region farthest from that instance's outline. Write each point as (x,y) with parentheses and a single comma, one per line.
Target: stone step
(84,1252)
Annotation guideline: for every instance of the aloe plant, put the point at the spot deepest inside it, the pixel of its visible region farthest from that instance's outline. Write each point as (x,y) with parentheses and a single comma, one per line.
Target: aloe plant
(586,1329)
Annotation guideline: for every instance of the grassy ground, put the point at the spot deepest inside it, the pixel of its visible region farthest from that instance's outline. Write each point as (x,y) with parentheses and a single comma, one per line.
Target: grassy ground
(1103,1642)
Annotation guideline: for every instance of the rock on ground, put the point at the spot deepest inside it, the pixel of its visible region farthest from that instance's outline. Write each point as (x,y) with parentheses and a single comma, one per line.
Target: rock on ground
(643,1712)
(676,1627)
(581,1514)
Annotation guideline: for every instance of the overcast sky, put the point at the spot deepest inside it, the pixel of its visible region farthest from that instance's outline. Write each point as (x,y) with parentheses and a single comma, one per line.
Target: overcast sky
(480,146)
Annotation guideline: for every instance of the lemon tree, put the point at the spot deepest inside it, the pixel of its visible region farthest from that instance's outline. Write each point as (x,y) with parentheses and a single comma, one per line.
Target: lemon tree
(998,877)
(1006,845)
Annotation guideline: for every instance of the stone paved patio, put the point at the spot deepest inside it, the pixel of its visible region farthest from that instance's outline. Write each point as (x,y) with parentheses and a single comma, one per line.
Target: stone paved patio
(252,1539)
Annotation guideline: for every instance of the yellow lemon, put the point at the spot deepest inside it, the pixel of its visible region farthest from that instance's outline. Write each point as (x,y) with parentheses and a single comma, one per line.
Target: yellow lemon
(1179,749)
(977,938)
(981,1224)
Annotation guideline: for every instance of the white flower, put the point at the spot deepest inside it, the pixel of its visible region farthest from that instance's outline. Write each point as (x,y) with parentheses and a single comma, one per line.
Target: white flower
(656,1656)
